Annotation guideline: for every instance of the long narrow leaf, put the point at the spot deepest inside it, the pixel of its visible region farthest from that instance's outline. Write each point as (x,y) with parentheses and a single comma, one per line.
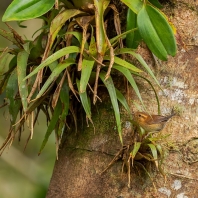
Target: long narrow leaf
(87,66)
(11,91)
(4,63)
(53,57)
(100,7)
(93,46)
(163,29)
(150,35)
(64,97)
(123,35)
(4,80)
(124,63)
(133,38)
(135,149)
(52,124)
(131,80)
(123,101)
(112,93)
(154,153)
(85,101)
(78,35)
(153,150)
(55,73)
(140,59)
(156,3)
(22,60)
(156,96)
(156,32)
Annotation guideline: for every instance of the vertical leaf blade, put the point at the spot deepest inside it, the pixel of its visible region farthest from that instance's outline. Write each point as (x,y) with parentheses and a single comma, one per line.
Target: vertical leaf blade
(131,80)
(87,66)
(55,73)
(112,93)
(132,38)
(140,59)
(123,101)
(153,150)
(85,101)
(156,32)
(135,149)
(100,7)
(52,124)
(11,91)
(22,59)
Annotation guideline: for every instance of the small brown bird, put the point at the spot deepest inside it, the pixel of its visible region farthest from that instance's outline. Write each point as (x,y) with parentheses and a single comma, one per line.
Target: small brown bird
(151,123)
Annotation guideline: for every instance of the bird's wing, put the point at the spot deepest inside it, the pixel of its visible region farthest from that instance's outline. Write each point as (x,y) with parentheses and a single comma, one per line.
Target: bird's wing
(157,119)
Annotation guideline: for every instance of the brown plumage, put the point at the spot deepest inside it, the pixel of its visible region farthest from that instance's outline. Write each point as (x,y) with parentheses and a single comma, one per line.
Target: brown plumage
(151,123)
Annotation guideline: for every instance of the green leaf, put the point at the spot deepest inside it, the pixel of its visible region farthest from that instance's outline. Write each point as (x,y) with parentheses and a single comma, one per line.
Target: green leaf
(140,59)
(11,91)
(52,124)
(112,93)
(53,65)
(87,66)
(133,38)
(55,73)
(6,71)
(64,97)
(30,84)
(153,150)
(78,36)
(156,32)
(124,63)
(156,96)
(163,29)
(59,21)
(22,59)
(130,78)
(20,10)
(123,101)
(4,64)
(134,5)
(135,149)
(53,57)
(100,7)
(159,148)
(28,46)
(115,39)
(85,102)
(156,3)
(93,46)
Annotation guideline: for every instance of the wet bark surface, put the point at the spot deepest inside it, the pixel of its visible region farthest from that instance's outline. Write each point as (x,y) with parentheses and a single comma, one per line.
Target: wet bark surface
(84,155)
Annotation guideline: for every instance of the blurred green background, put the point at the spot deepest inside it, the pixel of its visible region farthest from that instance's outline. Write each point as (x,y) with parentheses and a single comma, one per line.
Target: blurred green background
(24,174)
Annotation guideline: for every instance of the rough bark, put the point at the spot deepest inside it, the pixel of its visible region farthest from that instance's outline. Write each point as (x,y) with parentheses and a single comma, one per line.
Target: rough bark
(84,155)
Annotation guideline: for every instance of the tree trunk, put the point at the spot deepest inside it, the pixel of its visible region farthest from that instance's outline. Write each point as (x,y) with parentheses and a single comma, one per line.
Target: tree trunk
(84,155)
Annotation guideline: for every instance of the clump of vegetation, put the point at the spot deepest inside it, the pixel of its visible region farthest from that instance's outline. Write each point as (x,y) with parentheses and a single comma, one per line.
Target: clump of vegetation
(72,50)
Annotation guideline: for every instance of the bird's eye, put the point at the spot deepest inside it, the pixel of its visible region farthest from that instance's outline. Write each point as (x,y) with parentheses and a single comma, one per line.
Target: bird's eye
(139,115)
